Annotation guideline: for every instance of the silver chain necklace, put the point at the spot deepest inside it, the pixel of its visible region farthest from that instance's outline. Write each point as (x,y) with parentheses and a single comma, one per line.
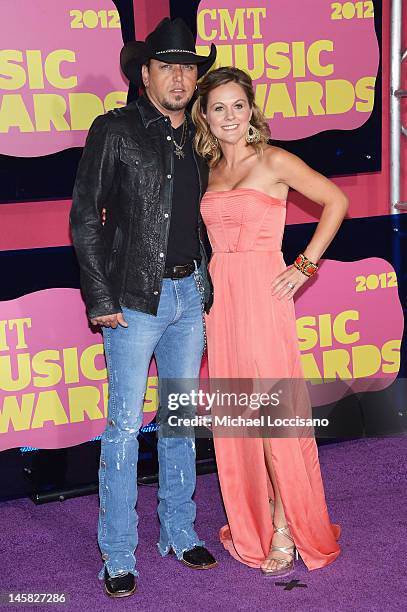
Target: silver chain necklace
(178,147)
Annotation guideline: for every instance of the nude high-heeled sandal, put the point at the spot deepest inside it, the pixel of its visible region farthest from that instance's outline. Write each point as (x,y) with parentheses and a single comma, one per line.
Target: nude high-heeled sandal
(288,564)
(285,567)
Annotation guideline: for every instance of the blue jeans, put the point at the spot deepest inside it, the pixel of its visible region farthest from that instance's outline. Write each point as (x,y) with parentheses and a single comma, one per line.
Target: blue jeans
(175,337)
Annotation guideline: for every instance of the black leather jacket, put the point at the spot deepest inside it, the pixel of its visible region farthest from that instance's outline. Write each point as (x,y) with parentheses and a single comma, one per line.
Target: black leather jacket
(127,167)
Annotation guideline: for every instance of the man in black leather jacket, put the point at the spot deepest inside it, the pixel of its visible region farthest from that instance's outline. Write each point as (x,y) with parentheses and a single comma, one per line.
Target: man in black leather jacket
(144,279)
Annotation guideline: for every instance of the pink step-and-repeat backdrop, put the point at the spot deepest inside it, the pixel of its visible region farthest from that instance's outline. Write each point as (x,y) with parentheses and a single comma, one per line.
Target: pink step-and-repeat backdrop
(59,69)
(59,65)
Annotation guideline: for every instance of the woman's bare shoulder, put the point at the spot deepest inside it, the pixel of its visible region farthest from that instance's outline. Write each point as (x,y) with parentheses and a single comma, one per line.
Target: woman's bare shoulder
(284,164)
(277,157)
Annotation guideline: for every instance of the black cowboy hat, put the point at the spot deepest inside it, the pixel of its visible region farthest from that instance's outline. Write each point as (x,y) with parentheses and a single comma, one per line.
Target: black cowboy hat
(171,42)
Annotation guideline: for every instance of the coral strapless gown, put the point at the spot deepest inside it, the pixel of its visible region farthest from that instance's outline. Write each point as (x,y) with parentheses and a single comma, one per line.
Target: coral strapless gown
(252,334)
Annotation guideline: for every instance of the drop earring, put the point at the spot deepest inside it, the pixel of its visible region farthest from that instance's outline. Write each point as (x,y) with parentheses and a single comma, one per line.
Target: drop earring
(253,135)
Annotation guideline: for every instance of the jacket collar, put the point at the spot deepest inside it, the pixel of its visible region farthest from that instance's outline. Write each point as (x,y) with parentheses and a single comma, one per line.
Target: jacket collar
(150,114)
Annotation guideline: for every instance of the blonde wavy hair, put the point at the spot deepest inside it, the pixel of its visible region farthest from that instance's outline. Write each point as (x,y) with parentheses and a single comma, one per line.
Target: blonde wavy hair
(204,141)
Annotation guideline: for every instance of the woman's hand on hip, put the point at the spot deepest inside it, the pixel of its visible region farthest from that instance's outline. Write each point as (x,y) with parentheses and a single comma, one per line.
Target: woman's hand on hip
(287,283)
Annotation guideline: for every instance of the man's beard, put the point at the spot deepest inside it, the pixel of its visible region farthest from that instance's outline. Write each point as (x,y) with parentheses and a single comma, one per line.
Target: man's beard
(174,105)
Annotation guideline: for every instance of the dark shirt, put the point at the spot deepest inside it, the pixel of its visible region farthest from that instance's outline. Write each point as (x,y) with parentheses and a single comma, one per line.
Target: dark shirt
(183,241)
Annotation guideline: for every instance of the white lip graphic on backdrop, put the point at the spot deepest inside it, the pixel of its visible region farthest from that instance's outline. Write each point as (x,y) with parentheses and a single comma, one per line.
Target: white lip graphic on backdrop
(59,69)
(314,64)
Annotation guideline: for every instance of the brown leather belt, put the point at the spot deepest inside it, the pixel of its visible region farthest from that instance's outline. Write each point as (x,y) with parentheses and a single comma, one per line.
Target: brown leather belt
(179,271)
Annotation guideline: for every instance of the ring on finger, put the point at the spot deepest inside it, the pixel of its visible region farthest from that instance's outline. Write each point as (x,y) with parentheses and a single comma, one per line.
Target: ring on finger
(291,285)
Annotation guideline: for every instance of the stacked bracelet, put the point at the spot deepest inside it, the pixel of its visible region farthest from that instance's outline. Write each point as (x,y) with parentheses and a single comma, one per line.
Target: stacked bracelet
(305,266)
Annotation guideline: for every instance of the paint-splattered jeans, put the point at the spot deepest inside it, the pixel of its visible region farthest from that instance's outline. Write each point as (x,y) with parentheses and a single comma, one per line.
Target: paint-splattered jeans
(175,336)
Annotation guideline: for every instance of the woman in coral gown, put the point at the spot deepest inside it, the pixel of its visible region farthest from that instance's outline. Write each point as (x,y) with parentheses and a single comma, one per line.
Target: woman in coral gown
(271,486)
